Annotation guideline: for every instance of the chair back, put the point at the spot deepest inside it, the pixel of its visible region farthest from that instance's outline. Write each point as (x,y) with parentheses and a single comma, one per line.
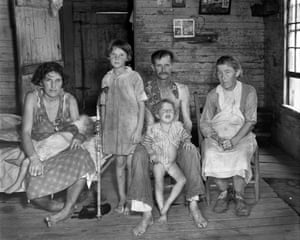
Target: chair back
(199,104)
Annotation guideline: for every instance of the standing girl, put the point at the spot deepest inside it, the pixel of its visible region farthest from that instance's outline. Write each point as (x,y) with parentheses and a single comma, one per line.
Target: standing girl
(122,109)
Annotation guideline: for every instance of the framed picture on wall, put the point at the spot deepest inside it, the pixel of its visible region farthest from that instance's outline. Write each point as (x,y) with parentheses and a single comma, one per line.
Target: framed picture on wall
(178,3)
(184,28)
(214,6)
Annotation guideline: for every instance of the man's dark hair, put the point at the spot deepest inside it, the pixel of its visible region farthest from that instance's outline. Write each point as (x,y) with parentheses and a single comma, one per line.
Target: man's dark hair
(160,54)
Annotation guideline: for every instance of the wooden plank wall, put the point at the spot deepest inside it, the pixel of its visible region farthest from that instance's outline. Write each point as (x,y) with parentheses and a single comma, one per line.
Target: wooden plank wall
(7,66)
(239,34)
(38,39)
(33,29)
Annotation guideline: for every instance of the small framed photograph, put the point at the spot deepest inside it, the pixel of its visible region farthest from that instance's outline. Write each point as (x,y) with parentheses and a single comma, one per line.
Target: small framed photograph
(214,6)
(178,3)
(184,28)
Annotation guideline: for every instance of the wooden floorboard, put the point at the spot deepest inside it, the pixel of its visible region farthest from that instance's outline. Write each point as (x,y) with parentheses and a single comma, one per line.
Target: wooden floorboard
(271,218)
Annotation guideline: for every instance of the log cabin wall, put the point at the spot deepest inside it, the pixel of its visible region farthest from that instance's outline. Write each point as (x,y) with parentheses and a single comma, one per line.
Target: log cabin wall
(286,122)
(7,65)
(239,34)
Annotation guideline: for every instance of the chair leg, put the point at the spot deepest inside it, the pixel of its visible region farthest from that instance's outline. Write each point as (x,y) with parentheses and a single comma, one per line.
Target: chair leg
(257,194)
(257,175)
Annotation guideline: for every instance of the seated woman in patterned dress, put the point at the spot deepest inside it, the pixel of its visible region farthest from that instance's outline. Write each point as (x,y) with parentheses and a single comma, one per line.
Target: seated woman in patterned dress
(45,109)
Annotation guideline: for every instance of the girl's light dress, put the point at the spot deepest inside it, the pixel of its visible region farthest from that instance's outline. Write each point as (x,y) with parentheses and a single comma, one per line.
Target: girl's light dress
(124,93)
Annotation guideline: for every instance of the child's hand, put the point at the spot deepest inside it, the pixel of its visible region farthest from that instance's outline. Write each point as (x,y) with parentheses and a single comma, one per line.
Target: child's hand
(98,126)
(136,137)
(153,158)
(188,146)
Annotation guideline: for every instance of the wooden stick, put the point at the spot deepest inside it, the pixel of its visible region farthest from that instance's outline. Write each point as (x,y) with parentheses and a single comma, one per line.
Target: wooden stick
(99,158)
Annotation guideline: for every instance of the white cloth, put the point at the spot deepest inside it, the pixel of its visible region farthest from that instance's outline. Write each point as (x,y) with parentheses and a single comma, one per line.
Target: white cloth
(223,164)
(138,206)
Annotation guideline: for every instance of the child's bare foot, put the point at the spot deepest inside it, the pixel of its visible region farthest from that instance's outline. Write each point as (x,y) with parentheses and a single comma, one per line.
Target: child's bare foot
(126,210)
(121,207)
(13,188)
(199,220)
(61,216)
(163,219)
(146,221)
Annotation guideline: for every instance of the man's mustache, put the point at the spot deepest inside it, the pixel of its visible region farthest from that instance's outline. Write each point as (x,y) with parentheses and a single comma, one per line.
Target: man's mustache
(163,73)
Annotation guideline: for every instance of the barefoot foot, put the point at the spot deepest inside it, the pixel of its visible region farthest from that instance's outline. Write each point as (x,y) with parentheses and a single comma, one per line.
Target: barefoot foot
(61,216)
(163,219)
(120,207)
(141,228)
(126,210)
(199,220)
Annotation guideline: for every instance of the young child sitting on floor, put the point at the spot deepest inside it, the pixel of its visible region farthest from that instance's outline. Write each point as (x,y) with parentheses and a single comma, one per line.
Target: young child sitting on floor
(83,128)
(162,141)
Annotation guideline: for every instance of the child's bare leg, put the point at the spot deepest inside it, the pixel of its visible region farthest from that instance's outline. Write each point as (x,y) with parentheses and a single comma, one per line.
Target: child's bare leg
(120,173)
(129,170)
(129,177)
(159,173)
(175,172)
(21,176)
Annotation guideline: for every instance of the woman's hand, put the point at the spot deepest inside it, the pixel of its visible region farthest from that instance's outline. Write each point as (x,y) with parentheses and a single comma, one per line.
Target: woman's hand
(75,144)
(226,144)
(188,146)
(136,137)
(36,167)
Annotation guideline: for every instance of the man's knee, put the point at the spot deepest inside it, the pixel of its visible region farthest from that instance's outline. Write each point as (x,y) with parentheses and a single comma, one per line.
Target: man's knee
(140,155)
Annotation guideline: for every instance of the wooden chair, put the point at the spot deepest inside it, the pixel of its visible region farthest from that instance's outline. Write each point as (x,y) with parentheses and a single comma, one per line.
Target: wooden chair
(255,181)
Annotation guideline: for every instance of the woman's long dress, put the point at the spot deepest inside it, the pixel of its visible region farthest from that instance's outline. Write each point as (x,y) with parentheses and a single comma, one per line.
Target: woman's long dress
(64,169)
(226,112)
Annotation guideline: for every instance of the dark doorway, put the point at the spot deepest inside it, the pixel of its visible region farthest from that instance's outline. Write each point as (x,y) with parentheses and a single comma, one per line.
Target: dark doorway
(87,29)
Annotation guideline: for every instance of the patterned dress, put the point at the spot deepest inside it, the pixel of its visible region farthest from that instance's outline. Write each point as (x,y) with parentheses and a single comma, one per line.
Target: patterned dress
(64,169)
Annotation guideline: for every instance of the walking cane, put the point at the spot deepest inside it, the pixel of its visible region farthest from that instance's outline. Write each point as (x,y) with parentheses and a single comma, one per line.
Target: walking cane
(99,158)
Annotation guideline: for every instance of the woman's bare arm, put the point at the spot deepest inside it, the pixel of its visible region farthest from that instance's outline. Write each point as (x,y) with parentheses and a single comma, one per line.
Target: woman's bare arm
(36,167)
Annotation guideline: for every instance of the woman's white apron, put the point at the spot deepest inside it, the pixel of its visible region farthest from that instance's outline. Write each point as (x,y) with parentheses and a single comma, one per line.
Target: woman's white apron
(224,164)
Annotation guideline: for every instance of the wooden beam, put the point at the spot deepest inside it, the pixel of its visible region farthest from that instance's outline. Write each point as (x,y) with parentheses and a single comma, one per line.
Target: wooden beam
(33,3)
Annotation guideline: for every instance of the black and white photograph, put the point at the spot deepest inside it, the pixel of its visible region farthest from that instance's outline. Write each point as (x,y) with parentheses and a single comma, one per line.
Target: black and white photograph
(184,28)
(151,120)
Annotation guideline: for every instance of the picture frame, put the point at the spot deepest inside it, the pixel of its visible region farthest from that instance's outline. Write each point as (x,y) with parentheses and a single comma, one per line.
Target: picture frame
(178,3)
(184,28)
(214,6)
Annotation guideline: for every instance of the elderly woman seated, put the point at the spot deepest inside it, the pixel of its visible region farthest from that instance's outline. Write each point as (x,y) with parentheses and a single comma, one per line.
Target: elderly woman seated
(228,117)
